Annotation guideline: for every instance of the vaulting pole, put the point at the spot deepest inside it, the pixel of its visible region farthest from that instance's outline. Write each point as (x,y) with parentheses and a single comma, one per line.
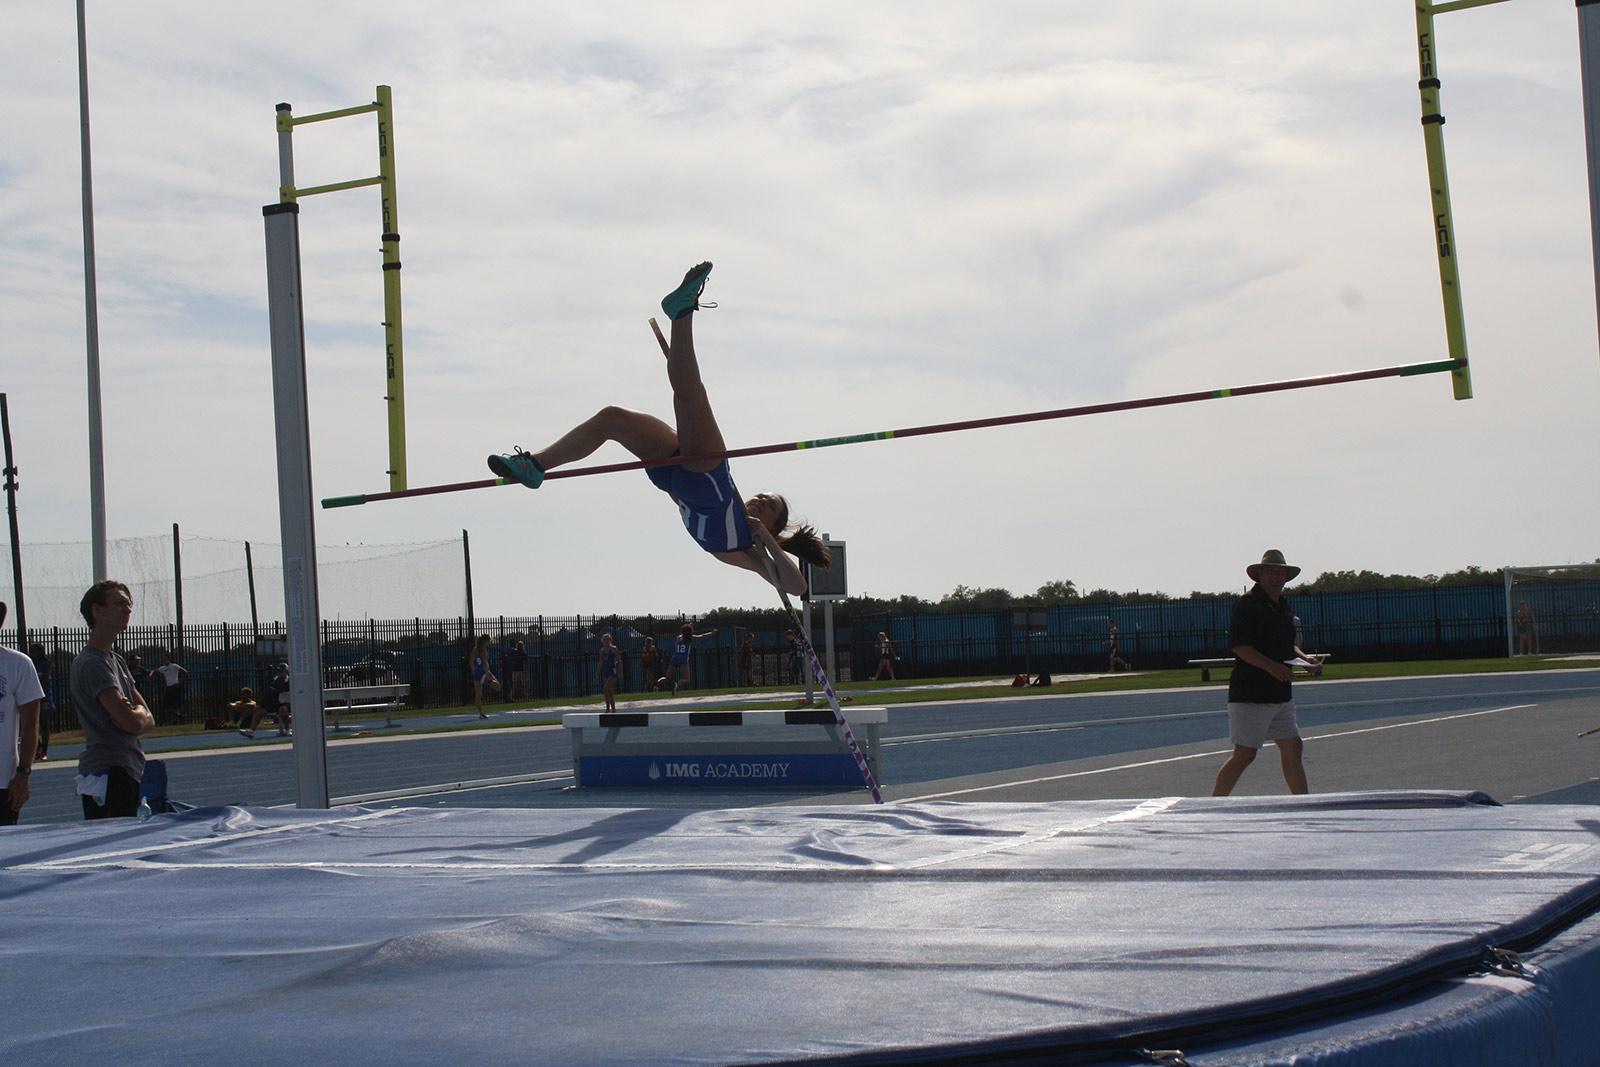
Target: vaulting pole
(1437,367)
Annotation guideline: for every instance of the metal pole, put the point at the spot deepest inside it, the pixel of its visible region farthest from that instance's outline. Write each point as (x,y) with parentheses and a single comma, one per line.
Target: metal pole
(177,591)
(827,637)
(250,579)
(1439,182)
(393,344)
(16,539)
(1511,649)
(293,427)
(1589,64)
(97,459)
(805,619)
(466,563)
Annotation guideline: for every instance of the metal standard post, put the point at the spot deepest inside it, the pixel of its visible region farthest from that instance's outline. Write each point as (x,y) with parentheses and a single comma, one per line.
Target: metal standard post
(827,637)
(177,590)
(393,346)
(1443,227)
(466,565)
(805,617)
(394,355)
(1589,64)
(1511,649)
(294,501)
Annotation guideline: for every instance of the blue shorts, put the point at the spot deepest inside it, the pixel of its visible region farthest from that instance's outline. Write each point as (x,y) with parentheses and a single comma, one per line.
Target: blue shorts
(709,502)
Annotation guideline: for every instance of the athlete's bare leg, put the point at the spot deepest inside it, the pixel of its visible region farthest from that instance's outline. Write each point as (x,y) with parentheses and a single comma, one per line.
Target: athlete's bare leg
(646,436)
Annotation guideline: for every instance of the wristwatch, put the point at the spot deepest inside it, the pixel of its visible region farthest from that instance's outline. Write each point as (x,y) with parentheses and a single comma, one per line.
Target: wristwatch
(24,771)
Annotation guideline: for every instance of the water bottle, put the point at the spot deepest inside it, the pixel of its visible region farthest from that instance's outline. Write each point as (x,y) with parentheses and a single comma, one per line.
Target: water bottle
(144,809)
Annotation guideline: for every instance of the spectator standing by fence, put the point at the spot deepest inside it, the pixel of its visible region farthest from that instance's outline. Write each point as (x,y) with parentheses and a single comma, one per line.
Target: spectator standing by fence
(113,712)
(610,667)
(1527,630)
(20,697)
(678,665)
(517,671)
(172,676)
(747,660)
(47,704)
(1260,692)
(886,657)
(650,662)
(140,673)
(482,676)
(794,654)
(1114,640)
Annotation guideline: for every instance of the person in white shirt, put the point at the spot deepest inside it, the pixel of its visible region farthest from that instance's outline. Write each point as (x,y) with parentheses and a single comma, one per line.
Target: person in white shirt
(172,678)
(20,694)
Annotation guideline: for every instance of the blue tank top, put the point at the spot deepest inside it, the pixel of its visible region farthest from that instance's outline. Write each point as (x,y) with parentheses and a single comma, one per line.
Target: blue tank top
(709,503)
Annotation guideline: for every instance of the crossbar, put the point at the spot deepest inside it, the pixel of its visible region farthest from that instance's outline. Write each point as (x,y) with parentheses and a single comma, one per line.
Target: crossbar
(1443,366)
(353,183)
(323,116)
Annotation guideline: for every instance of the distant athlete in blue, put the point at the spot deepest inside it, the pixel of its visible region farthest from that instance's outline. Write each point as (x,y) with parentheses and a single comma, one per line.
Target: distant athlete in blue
(713,513)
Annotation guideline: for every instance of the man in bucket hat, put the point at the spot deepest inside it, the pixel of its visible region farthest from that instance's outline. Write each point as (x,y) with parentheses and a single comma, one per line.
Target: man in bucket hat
(1260,697)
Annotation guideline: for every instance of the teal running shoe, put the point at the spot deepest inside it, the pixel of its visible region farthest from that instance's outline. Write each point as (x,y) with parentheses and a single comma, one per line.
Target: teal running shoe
(518,467)
(685,298)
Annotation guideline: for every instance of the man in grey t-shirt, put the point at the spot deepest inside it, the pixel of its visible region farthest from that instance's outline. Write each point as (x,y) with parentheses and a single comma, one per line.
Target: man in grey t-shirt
(112,711)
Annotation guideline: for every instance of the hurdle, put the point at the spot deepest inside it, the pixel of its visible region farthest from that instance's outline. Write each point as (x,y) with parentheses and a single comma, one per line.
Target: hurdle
(774,755)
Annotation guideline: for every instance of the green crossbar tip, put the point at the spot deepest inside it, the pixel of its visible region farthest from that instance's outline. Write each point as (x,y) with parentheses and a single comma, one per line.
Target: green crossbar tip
(344,501)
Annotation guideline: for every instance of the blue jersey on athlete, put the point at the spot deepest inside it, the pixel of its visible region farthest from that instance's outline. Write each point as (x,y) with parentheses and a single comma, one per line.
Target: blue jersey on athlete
(712,510)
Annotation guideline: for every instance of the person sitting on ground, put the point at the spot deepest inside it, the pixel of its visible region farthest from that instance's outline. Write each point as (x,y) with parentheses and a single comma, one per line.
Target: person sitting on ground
(242,712)
(701,487)
(275,704)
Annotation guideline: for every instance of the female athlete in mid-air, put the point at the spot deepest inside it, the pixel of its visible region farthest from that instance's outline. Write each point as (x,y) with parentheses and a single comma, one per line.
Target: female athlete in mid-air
(712,511)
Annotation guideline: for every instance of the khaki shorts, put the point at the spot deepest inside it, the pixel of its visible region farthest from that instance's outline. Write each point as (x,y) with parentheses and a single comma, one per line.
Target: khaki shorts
(1253,725)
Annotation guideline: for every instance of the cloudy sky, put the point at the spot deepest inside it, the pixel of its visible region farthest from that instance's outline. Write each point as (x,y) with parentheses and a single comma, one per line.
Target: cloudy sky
(916,216)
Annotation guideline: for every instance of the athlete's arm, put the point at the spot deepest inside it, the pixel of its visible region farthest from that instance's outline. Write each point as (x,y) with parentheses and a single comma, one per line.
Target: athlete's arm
(790,580)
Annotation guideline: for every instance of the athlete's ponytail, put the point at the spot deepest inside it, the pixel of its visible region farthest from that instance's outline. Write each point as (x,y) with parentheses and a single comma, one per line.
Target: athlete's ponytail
(801,540)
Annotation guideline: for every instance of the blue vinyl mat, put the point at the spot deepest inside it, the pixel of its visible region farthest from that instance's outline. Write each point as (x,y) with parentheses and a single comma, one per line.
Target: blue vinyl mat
(1335,928)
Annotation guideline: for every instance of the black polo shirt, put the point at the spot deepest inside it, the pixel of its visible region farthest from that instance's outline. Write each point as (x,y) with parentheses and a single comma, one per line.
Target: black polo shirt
(1269,629)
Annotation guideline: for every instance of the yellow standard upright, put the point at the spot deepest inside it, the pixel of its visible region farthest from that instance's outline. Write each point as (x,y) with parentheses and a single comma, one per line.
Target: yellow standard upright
(1455,326)
(393,343)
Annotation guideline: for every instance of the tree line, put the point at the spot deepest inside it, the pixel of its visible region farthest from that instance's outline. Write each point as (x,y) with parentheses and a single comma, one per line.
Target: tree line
(1065,592)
